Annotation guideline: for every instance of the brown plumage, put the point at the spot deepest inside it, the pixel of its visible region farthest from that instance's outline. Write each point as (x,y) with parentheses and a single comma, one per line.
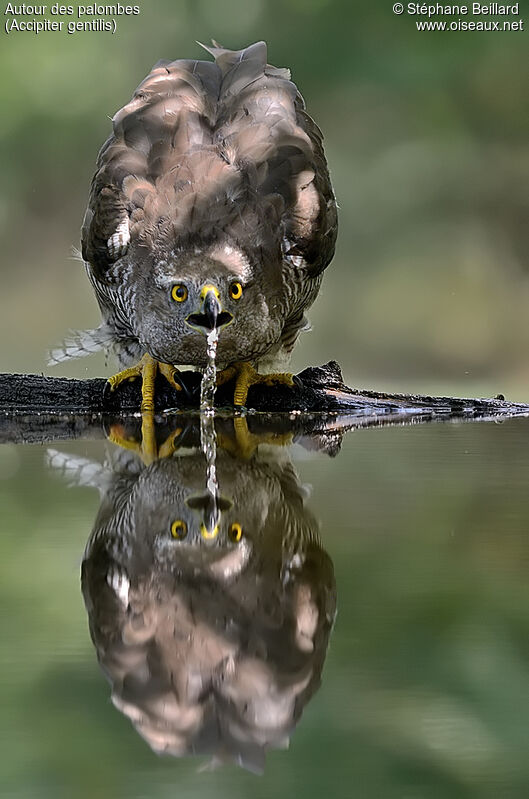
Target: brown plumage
(214,175)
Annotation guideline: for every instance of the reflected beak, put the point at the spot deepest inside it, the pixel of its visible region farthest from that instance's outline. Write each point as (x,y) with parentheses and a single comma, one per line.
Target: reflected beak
(210,315)
(211,508)
(209,528)
(209,534)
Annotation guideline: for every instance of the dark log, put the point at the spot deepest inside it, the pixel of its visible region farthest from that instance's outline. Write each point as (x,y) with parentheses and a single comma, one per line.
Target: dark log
(317,411)
(318,389)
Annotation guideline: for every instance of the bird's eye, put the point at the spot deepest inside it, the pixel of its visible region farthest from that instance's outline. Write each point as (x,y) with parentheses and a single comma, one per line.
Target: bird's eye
(236,290)
(179,292)
(235,532)
(179,529)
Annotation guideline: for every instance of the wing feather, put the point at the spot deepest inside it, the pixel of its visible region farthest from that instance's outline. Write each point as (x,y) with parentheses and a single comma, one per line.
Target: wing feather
(205,148)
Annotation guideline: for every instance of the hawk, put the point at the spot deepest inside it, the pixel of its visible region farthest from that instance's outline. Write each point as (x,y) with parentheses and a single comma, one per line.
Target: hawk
(213,644)
(211,209)
(211,626)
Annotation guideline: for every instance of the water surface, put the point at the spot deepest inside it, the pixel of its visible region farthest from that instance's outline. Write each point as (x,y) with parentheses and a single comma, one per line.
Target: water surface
(416,534)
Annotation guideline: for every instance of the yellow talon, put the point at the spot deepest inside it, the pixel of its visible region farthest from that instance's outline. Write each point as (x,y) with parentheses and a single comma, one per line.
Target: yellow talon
(169,446)
(146,448)
(169,372)
(243,444)
(146,369)
(116,435)
(247,376)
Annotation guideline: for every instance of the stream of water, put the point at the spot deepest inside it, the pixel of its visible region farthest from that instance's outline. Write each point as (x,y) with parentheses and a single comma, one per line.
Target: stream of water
(208,385)
(208,443)
(208,439)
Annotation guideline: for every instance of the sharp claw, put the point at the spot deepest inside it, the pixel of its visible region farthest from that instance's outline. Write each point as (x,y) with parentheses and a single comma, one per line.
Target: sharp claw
(177,380)
(177,377)
(297,381)
(107,389)
(116,433)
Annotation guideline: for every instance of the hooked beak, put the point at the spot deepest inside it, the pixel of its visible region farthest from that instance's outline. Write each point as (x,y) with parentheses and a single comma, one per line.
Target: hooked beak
(212,309)
(211,315)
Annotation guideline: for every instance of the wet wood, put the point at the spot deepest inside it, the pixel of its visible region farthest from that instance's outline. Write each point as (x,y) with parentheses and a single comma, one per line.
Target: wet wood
(316,412)
(318,389)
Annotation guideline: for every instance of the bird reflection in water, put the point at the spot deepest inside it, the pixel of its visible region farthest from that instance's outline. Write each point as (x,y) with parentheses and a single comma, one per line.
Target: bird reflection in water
(211,620)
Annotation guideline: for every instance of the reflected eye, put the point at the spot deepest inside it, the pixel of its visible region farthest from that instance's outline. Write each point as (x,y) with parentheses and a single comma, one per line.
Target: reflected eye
(236,290)
(179,529)
(235,532)
(179,292)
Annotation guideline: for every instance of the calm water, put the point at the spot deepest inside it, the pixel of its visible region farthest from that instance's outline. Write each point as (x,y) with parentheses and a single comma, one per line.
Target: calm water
(208,624)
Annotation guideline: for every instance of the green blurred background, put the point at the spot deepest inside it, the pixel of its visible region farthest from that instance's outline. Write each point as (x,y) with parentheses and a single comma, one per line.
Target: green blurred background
(426,136)
(425,686)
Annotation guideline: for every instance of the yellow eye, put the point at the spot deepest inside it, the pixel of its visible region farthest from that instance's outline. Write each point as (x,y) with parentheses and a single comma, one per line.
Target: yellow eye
(235,532)
(179,529)
(236,290)
(179,292)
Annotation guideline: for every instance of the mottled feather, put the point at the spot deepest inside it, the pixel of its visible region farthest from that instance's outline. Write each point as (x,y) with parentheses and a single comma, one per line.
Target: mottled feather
(208,154)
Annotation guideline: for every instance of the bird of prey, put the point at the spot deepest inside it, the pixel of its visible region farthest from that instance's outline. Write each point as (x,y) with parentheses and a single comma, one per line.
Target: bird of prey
(212,644)
(212,628)
(211,208)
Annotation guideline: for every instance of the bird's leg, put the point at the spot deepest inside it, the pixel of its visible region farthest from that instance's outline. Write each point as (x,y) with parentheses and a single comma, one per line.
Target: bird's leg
(170,446)
(244,444)
(247,376)
(147,448)
(146,369)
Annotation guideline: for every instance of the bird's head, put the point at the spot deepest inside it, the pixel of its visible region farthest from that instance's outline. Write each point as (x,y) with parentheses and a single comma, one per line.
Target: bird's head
(187,295)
